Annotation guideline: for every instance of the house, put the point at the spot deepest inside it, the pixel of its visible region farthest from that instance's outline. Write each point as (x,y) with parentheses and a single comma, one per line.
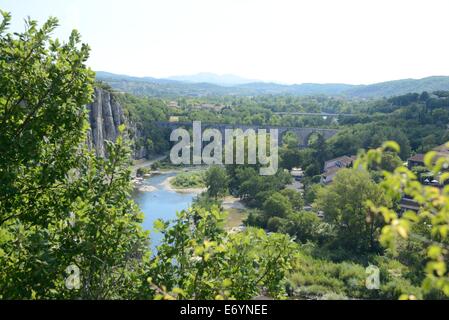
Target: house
(173,104)
(407,204)
(331,167)
(329,175)
(297,173)
(418,159)
(428,179)
(415,161)
(340,162)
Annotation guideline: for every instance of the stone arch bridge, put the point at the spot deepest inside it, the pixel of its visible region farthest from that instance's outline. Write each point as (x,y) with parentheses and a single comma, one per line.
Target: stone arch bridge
(303,134)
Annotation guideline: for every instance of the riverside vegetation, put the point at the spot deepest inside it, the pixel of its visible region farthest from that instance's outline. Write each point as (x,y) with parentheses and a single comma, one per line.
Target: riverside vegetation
(61,206)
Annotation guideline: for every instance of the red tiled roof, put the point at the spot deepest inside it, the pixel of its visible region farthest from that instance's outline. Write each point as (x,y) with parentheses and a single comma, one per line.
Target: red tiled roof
(419,157)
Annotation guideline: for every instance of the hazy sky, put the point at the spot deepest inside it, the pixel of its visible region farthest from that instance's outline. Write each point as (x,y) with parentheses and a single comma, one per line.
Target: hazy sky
(351,41)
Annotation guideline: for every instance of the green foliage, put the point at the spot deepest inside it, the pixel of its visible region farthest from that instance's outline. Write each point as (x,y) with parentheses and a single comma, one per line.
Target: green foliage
(60,207)
(204,201)
(216,180)
(191,179)
(290,94)
(311,193)
(389,162)
(314,278)
(245,182)
(212,264)
(143,171)
(256,218)
(294,197)
(351,140)
(143,112)
(290,158)
(44,86)
(306,226)
(277,205)
(275,223)
(428,227)
(344,205)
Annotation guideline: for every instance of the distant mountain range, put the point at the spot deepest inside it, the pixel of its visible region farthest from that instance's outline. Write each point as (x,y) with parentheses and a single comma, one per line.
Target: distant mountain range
(221,80)
(208,84)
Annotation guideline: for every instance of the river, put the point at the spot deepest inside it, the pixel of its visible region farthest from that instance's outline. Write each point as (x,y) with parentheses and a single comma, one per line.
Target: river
(161,203)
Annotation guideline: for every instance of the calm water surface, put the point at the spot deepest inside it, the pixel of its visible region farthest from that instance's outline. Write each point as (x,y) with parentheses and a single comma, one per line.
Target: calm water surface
(160,204)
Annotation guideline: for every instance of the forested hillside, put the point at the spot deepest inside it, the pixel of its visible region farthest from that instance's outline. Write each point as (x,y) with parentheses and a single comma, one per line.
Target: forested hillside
(172,88)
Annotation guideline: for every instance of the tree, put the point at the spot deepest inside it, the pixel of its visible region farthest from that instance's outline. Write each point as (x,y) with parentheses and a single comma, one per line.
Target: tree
(432,216)
(44,87)
(274,224)
(295,198)
(212,264)
(424,96)
(303,226)
(312,170)
(290,140)
(249,185)
(321,153)
(216,181)
(389,162)
(277,205)
(344,205)
(311,193)
(68,228)
(290,158)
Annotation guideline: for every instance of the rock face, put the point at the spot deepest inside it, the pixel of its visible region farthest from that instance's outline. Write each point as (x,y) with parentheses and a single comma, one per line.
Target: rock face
(105,117)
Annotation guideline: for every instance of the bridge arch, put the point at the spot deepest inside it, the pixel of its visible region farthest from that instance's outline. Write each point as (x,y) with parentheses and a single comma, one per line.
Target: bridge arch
(303,134)
(287,135)
(312,137)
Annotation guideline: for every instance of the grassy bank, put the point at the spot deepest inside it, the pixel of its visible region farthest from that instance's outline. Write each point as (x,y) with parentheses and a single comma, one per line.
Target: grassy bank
(189,180)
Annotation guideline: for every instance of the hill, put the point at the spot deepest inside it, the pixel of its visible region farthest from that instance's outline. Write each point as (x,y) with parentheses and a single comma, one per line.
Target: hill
(148,86)
(206,77)
(400,87)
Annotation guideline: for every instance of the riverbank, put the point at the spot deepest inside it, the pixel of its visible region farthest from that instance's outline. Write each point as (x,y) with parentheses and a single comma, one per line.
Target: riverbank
(158,203)
(167,184)
(157,197)
(237,213)
(144,163)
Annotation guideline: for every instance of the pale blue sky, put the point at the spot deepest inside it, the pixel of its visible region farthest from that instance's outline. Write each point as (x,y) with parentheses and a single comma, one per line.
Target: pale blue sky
(349,41)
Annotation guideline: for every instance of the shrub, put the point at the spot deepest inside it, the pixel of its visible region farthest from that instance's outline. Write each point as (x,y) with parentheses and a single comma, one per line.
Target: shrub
(142,171)
(275,223)
(256,218)
(194,179)
(156,165)
(317,278)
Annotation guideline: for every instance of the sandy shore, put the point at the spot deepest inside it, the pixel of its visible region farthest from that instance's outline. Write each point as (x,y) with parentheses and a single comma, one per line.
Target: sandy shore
(145,163)
(168,186)
(232,203)
(146,188)
(236,214)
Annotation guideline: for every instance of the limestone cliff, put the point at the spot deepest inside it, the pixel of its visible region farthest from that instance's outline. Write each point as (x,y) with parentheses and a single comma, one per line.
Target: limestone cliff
(105,116)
